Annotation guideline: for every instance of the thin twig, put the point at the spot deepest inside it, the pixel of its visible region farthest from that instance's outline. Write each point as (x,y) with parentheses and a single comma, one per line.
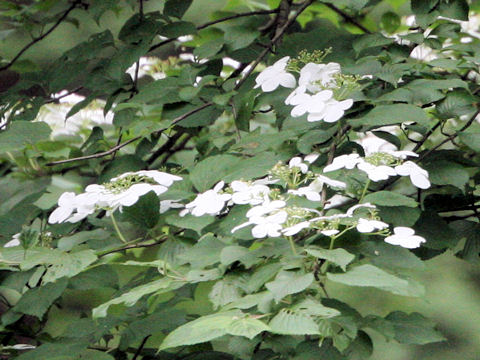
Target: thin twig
(348,18)
(277,37)
(142,345)
(43,36)
(54,100)
(118,147)
(426,136)
(133,246)
(451,137)
(165,147)
(210,23)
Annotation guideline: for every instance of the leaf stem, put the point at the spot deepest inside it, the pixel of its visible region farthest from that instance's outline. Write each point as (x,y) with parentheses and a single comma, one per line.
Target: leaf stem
(292,245)
(117,229)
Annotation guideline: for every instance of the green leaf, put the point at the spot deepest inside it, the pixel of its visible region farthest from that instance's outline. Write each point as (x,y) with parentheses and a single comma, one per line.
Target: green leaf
(248,327)
(457,9)
(253,167)
(313,307)
(288,322)
(196,223)
(442,172)
(223,293)
(205,252)
(399,215)
(38,300)
(391,114)
(60,263)
(369,275)
(436,231)
(388,198)
(201,330)
(390,21)
(211,170)
(145,212)
(133,295)
(289,282)
(423,6)
(471,139)
(413,328)
(176,8)
(22,133)
(391,256)
(177,29)
(340,257)
(209,49)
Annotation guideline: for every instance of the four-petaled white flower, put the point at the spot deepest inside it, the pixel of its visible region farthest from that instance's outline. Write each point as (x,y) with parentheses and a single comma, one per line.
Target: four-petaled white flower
(245,193)
(296,162)
(295,229)
(209,202)
(275,75)
(376,173)
(418,176)
(343,161)
(306,103)
(332,110)
(315,76)
(368,226)
(405,237)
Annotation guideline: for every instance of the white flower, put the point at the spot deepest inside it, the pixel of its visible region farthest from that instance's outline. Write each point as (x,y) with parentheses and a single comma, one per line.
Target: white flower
(305,103)
(405,237)
(418,176)
(297,162)
(329,232)
(314,76)
(14,242)
(310,193)
(343,161)
(311,158)
(123,190)
(372,144)
(295,229)
(210,202)
(275,75)
(332,111)
(268,226)
(351,210)
(66,206)
(166,205)
(376,173)
(330,182)
(368,226)
(424,53)
(336,200)
(402,154)
(245,193)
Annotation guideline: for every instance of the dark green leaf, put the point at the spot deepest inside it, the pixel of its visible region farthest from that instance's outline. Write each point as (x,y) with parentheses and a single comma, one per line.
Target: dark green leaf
(413,328)
(22,133)
(176,8)
(145,212)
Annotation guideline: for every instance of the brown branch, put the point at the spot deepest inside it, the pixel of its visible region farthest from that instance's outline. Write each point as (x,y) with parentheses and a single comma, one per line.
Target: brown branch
(426,136)
(210,23)
(43,36)
(133,246)
(348,18)
(165,147)
(278,35)
(54,100)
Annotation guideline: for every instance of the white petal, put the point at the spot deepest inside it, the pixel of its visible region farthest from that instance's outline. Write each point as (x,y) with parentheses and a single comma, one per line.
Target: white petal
(420,181)
(403,231)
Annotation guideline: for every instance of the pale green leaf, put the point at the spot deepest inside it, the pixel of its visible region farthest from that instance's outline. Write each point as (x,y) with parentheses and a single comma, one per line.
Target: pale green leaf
(389,198)
(369,275)
(288,282)
(248,327)
(413,328)
(287,322)
(340,257)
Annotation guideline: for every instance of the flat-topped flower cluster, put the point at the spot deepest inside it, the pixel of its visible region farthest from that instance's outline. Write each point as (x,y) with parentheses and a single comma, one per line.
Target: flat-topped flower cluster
(273,201)
(320,90)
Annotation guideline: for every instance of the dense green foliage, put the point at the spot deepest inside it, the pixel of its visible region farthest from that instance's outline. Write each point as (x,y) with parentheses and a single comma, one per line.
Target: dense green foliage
(182,264)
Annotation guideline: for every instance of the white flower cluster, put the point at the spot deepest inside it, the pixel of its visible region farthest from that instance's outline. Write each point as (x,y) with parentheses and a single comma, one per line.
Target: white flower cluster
(381,165)
(273,212)
(314,95)
(123,190)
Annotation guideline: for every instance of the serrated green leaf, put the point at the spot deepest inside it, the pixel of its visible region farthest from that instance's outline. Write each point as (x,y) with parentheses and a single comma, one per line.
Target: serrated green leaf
(201,330)
(340,257)
(205,252)
(389,198)
(391,114)
(413,328)
(22,133)
(288,282)
(247,326)
(223,293)
(211,170)
(145,212)
(287,322)
(36,301)
(369,275)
